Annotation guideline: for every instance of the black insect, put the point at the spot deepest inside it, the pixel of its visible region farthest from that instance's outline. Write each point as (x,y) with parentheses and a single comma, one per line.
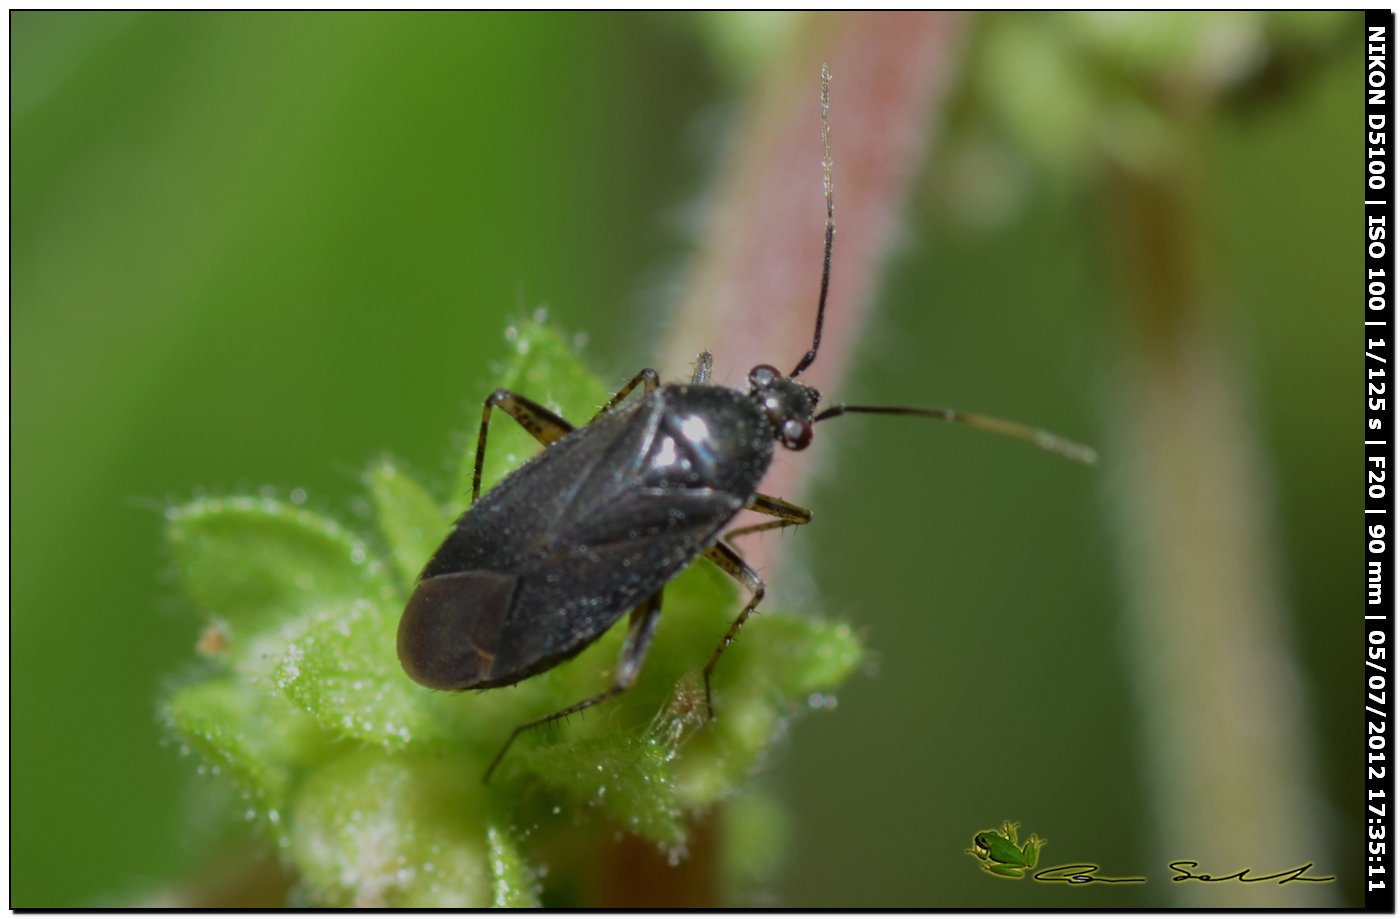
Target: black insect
(600,521)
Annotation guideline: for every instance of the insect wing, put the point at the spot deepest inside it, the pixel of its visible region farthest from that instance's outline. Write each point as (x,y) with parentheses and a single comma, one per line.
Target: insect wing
(570,597)
(545,562)
(522,514)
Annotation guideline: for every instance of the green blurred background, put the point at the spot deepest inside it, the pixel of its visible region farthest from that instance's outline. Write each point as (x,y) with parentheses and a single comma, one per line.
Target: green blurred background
(257,250)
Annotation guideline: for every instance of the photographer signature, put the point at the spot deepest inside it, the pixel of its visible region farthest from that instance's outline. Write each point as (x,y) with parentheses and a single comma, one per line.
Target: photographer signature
(1243,875)
(1086,874)
(1002,854)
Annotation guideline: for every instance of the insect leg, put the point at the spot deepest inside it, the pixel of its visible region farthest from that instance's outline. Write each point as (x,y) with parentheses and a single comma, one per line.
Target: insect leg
(641,626)
(734,565)
(647,377)
(543,425)
(788,514)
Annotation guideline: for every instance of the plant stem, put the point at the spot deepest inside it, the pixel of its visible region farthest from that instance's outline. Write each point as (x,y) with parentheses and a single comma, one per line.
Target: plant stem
(1223,711)
(751,293)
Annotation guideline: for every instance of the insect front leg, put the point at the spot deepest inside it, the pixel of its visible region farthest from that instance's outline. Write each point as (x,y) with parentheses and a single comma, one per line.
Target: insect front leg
(641,627)
(734,565)
(649,379)
(788,514)
(543,425)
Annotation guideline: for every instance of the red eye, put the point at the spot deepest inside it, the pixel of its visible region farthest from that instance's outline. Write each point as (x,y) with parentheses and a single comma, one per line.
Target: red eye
(797,434)
(763,376)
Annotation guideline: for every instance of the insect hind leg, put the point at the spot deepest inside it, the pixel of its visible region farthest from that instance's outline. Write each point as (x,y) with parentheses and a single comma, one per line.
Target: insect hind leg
(641,627)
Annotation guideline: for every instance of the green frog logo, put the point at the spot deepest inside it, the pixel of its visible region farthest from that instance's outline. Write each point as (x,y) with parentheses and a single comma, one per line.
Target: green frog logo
(1001,854)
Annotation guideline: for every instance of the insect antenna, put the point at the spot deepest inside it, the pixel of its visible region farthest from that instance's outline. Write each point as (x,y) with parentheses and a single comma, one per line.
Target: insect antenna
(811,355)
(1039,437)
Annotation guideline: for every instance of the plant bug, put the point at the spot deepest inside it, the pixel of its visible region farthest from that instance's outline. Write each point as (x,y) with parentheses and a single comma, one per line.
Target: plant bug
(597,523)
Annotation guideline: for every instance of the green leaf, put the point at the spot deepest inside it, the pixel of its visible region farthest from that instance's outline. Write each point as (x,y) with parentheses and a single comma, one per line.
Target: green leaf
(796,656)
(344,671)
(781,665)
(378,830)
(256,736)
(412,522)
(513,884)
(623,775)
(260,566)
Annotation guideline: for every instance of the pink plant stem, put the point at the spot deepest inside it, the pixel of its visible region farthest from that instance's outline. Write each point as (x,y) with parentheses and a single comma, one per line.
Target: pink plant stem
(751,295)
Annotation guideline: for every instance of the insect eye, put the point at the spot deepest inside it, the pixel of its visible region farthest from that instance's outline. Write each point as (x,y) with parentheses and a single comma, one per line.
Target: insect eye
(763,376)
(797,434)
